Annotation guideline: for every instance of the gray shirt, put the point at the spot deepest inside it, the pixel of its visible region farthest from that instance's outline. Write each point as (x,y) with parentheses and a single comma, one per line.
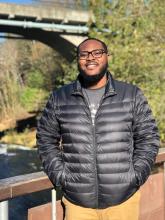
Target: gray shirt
(93,98)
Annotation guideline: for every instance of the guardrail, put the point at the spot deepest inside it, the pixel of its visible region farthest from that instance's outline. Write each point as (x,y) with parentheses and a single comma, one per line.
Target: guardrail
(34,182)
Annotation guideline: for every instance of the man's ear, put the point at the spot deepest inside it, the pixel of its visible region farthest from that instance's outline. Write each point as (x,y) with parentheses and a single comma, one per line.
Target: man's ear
(109,56)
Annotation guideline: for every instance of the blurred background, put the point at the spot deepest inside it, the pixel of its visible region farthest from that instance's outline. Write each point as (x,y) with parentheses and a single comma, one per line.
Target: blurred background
(32,65)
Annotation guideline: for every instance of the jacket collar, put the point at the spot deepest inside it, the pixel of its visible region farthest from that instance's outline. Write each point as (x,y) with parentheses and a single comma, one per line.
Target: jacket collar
(109,89)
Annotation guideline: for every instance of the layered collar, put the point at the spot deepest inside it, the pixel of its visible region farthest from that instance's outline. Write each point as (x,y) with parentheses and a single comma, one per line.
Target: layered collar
(109,88)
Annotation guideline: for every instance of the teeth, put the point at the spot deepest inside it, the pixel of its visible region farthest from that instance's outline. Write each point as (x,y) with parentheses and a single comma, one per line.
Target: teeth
(92,64)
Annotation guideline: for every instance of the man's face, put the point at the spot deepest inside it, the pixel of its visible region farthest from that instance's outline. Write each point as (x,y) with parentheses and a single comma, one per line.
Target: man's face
(92,66)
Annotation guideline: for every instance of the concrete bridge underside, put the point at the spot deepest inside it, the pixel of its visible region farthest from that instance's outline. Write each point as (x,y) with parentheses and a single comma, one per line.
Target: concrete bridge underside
(65,44)
(63,41)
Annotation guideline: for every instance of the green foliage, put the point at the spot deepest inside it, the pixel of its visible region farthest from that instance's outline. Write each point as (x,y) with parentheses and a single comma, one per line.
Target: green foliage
(35,79)
(68,75)
(135,35)
(31,98)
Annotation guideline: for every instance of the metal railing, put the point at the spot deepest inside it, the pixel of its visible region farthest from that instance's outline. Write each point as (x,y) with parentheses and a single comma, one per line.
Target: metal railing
(34,182)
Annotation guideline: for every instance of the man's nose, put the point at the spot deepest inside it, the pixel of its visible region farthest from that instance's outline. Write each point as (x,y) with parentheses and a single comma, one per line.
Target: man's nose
(90,57)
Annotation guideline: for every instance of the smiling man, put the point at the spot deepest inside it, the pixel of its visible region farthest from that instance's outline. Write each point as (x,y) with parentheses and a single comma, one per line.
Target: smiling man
(93,64)
(97,140)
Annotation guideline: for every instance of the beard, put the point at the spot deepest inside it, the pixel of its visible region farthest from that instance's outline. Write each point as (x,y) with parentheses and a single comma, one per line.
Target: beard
(91,80)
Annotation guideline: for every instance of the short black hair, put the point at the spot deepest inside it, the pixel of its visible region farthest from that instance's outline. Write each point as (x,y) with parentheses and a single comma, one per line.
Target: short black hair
(103,44)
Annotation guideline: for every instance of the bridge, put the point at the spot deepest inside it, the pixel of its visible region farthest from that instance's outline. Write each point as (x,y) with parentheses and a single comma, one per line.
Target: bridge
(57,25)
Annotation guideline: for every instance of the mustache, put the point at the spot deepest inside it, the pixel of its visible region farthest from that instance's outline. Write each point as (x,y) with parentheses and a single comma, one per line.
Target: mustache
(91,62)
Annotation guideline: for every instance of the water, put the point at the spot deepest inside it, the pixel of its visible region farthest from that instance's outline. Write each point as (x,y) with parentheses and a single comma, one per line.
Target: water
(17,161)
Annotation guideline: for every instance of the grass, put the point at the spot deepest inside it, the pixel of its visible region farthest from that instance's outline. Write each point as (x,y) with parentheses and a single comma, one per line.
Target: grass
(26,138)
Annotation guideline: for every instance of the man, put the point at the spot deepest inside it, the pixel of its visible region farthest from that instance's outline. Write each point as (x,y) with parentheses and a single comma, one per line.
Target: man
(98,140)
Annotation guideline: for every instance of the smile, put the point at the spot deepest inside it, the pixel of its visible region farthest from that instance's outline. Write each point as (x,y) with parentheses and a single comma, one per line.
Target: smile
(91,65)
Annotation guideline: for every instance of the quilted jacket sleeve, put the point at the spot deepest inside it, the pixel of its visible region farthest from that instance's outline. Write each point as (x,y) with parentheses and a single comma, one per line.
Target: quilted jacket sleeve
(146,138)
(48,142)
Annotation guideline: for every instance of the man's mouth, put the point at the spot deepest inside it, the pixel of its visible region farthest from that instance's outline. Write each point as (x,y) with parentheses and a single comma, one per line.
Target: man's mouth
(91,65)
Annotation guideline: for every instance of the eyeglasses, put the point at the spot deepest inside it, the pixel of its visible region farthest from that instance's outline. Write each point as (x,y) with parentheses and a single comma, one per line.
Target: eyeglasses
(83,55)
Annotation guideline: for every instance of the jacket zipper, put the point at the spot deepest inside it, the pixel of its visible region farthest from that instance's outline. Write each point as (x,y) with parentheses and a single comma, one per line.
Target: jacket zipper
(94,143)
(95,151)
(95,148)
(95,161)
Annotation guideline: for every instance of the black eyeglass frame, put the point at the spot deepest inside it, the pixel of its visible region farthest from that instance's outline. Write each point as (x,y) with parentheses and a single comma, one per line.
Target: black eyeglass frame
(91,52)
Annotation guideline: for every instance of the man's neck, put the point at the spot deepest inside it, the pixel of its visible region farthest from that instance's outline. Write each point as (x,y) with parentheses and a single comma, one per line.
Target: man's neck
(100,84)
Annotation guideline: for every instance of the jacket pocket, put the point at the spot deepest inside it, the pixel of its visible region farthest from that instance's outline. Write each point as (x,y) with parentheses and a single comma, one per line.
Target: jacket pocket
(133,176)
(63,177)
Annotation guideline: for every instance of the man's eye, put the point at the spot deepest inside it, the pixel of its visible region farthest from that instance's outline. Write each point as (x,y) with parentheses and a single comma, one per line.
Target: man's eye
(83,54)
(97,53)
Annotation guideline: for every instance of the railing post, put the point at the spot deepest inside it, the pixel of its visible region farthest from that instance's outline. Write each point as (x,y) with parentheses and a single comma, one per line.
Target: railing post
(4,210)
(53,204)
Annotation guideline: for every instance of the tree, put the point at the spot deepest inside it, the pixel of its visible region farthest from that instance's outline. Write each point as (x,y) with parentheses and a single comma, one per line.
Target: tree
(135,34)
(9,89)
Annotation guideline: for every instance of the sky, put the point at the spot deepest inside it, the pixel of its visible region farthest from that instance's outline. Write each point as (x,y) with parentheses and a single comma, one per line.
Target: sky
(13,1)
(16,1)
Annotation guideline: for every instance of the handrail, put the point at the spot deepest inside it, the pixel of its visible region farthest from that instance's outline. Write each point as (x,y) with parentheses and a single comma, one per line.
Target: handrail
(34,182)
(161,156)
(23,184)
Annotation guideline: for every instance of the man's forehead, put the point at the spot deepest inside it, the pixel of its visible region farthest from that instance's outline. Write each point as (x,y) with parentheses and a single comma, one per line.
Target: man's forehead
(91,43)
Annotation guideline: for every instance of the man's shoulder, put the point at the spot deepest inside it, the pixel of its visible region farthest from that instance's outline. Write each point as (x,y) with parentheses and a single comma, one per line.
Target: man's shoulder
(121,85)
(65,89)
(127,89)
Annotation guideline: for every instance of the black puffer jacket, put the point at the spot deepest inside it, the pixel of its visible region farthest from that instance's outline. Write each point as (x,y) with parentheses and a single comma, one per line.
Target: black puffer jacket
(102,165)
